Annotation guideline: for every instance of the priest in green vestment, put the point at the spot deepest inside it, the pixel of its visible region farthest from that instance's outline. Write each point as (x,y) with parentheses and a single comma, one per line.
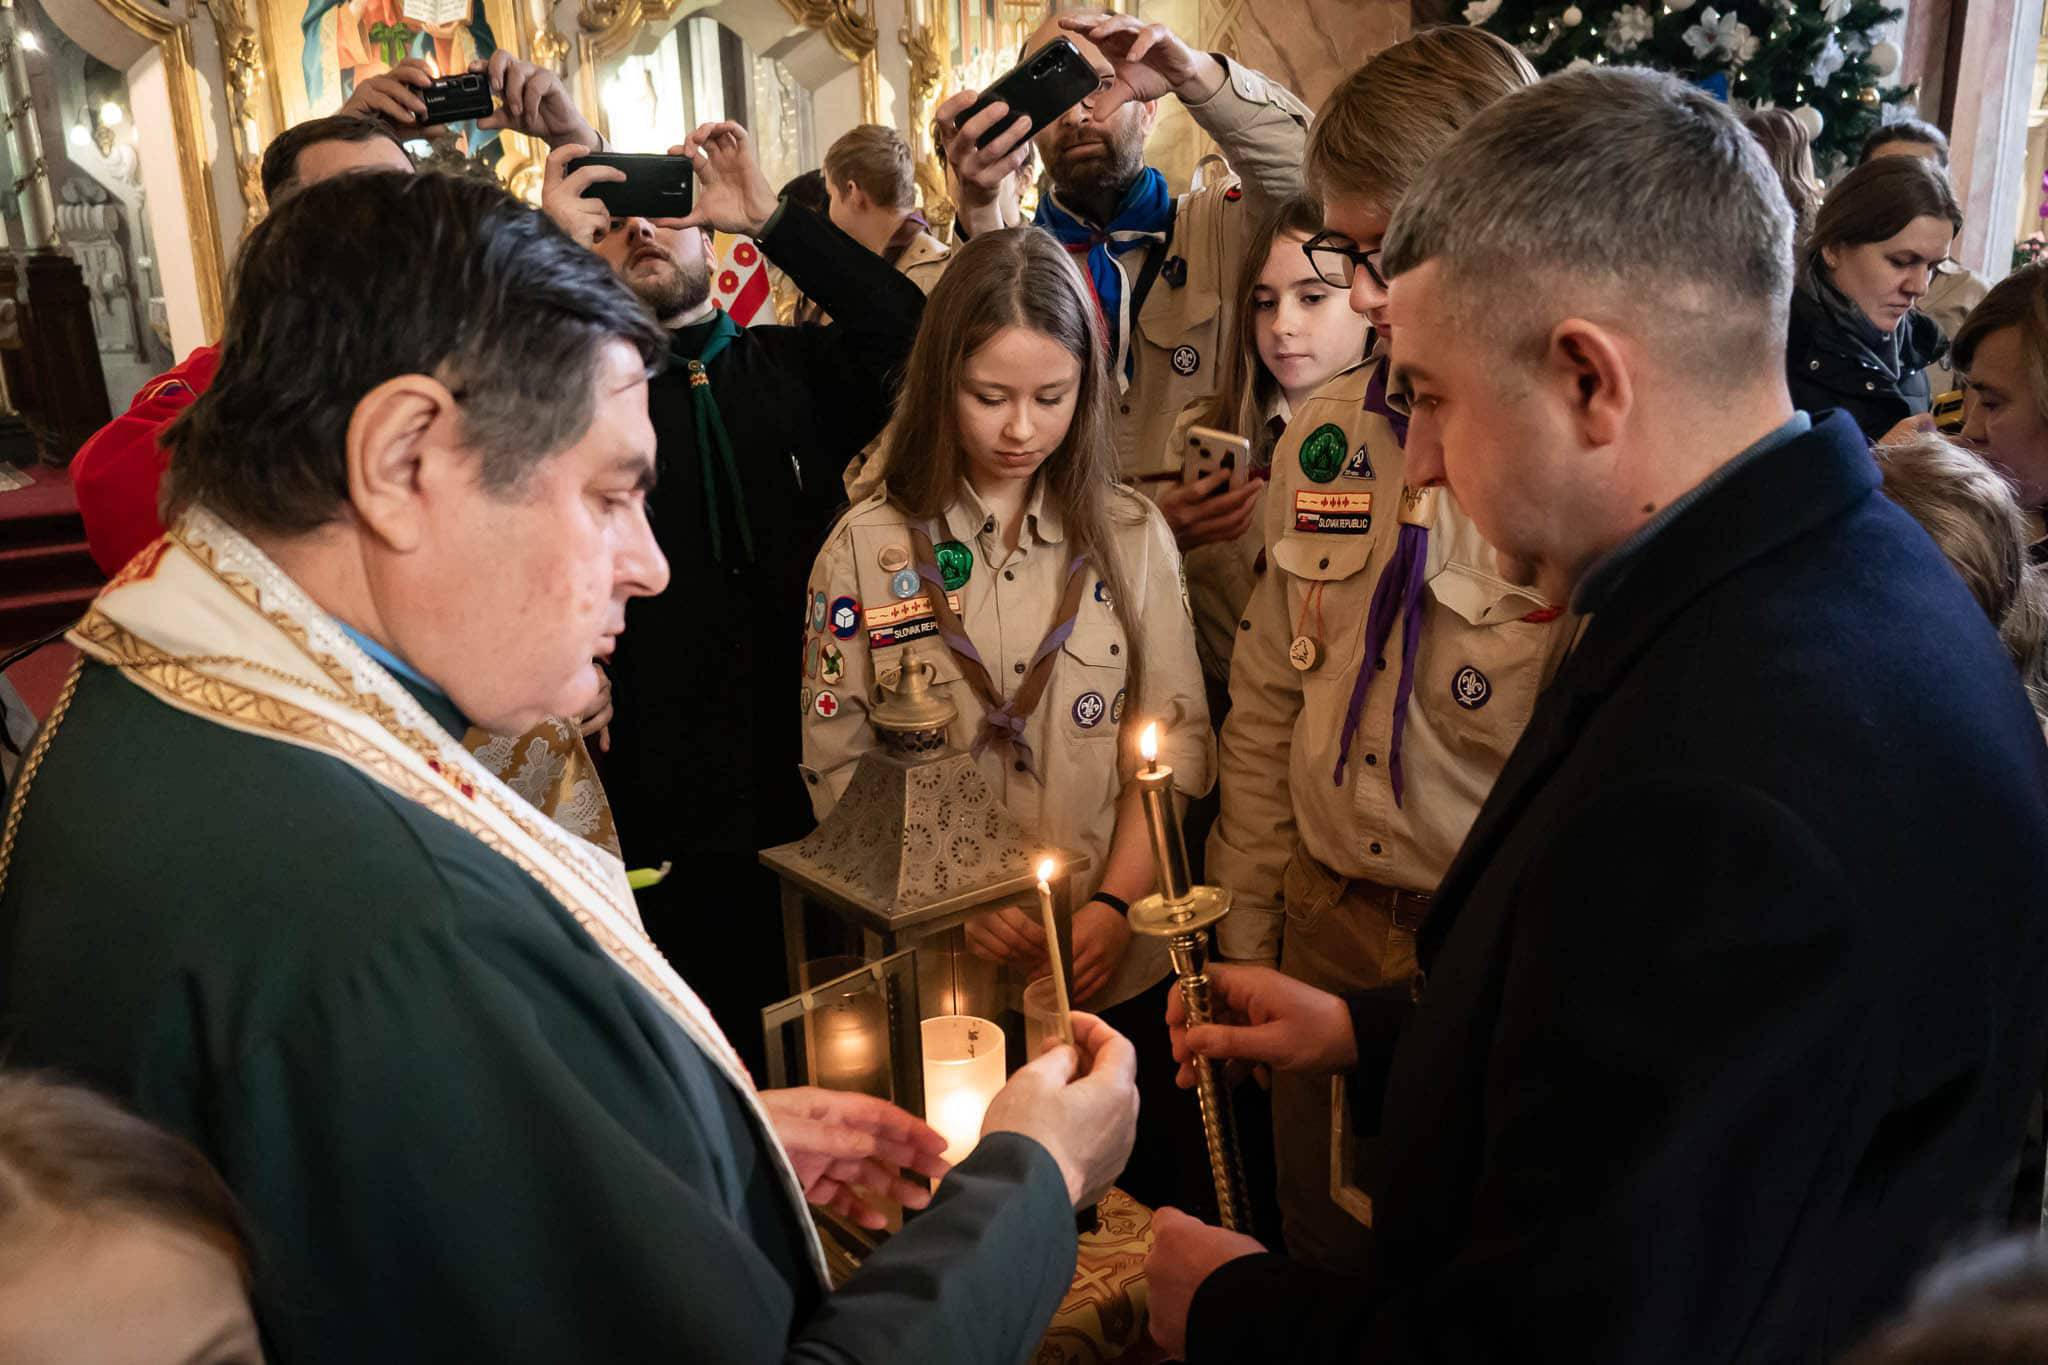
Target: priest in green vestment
(252,883)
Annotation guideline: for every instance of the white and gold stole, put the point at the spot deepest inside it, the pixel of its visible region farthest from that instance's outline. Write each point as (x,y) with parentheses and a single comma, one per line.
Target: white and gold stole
(205,622)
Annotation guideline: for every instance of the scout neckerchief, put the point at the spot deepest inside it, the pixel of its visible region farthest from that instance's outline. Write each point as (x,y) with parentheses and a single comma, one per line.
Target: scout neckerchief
(1001,720)
(1144,218)
(1397,596)
(203,621)
(711,439)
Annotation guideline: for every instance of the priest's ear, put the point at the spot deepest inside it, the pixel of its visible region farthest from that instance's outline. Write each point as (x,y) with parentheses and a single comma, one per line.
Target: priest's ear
(405,451)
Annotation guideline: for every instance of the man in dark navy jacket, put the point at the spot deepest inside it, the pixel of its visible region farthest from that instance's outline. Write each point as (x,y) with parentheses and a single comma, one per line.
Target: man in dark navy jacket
(1736,992)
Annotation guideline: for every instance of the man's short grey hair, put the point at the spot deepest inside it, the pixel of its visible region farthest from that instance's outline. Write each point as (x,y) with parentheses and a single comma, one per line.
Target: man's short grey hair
(1614,193)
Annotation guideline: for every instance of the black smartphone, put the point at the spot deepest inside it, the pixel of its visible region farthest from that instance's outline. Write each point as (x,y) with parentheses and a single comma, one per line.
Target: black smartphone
(655,186)
(455,98)
(1044,85)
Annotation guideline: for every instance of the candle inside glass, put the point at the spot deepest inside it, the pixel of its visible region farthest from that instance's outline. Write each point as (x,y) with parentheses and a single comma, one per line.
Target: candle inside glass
(963,1070)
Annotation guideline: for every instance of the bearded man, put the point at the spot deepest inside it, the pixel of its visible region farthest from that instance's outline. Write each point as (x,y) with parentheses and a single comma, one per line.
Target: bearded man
(704,746)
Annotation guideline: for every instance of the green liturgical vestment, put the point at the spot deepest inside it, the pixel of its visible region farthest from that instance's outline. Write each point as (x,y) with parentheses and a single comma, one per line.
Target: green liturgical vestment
(259,892)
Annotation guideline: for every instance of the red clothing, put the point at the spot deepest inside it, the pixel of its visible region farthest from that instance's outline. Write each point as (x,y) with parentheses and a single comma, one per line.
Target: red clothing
(116,473)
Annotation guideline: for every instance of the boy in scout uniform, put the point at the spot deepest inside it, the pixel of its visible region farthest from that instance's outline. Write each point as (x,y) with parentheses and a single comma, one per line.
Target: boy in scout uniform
(1388,660)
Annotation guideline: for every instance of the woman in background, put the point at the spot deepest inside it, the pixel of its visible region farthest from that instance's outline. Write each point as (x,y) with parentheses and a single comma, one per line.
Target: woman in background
(1791,152)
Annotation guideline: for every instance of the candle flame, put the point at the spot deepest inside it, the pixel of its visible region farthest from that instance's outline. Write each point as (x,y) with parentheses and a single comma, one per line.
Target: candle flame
(1047,869)
(1148,741)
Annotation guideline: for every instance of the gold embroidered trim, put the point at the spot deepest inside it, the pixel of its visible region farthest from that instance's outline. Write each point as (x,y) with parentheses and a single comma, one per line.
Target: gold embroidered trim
(27,774)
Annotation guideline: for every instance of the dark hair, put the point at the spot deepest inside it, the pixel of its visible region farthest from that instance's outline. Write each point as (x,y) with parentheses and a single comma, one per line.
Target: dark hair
(1875,201)
(808,189)
(1905,130)
(1018,277)
(1786,143)
(2019,300)
(329,300)
(281,157)
(67,1150)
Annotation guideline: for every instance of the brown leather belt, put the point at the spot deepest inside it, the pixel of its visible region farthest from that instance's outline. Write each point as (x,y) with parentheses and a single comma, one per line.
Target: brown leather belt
(1409,910)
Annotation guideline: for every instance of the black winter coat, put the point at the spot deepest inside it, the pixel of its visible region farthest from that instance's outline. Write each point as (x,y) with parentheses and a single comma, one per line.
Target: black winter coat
(1827,365)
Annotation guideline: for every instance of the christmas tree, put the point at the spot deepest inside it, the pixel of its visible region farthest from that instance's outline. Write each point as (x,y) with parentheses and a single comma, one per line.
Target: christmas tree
(1821,59)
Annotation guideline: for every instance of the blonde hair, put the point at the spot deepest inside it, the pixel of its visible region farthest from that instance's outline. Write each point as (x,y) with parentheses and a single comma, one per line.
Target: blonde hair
(1244,386)
(1378,129)
(1018,277)
(878,160)
(1970,512)
(1790,150)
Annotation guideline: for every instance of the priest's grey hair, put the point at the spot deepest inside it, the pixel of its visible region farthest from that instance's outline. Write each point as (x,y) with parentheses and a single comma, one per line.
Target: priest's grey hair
(1618,193)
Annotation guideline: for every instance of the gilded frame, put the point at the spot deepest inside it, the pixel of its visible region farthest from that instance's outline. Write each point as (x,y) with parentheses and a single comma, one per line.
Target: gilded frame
(172,39)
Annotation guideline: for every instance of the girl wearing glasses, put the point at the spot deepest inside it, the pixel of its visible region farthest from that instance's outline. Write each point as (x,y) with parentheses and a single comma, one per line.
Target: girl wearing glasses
(1386,652)
(1294,333)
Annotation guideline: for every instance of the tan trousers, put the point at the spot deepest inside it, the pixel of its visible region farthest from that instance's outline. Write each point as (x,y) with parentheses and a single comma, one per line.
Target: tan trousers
(1340,935)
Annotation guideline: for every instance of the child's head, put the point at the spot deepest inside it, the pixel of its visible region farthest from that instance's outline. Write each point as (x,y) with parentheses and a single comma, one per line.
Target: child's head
(1294,332)
(1006,378)
(119,1245)
(1378,129)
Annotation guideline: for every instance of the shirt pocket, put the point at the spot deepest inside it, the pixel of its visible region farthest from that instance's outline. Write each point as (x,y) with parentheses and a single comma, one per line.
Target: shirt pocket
(1179,339)
(1085,697)
(1329,594)
(1487,660)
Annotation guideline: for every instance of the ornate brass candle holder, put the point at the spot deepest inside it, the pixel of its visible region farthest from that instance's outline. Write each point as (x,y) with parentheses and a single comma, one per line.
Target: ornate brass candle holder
(1181,912)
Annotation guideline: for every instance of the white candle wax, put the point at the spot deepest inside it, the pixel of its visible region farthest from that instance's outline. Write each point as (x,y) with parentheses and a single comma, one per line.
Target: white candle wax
(963,1070)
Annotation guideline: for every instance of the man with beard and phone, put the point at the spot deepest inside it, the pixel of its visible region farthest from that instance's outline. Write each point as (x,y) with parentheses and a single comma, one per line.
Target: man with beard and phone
(753,426)
(1162,267)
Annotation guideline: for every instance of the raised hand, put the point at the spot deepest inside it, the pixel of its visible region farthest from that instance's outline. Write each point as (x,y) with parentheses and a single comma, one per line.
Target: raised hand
(532,100)
(565,196)
(731,194)
(1148,59)
(982,170)
(392,95)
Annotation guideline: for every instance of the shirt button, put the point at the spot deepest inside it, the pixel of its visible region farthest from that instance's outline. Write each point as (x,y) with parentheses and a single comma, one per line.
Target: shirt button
(1868,386)
(1376,850)
(1813,364)
(1019,765)
(1116,649)
(1244,625)
(1124,408)
(1380,665)
(988,528)
(1372,760)
(1323,563)
(1020,665)
(1009,575)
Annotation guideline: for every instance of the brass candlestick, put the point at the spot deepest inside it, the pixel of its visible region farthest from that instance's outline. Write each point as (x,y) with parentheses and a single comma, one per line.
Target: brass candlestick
(1181,913)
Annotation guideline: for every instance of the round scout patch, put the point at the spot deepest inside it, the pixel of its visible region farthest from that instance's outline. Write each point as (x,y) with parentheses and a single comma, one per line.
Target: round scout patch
(826,705)
(904,583)
(1305,653)
(833,663)
(1116,708)
(845,617)
(1186,360)
(1470,689)
(1088,710)
(956,563)
(1102,592)
(1322,454)
(893,557)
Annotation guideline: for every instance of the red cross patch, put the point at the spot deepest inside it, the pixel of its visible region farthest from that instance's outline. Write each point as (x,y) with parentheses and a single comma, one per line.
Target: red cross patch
(826,705)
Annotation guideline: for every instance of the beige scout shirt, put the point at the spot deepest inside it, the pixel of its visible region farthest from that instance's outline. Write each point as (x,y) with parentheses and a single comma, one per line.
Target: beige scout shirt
(1482,664)
(1083,733)
(1262,130)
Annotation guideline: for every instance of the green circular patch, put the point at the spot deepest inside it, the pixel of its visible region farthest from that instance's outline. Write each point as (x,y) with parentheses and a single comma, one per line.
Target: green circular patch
(956,563)
(1322,454)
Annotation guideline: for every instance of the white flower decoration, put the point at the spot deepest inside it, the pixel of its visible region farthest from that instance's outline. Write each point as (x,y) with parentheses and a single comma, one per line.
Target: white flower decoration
(1830,60)
(1834,11)
(1479,11)
(1722,33)
(1628,29)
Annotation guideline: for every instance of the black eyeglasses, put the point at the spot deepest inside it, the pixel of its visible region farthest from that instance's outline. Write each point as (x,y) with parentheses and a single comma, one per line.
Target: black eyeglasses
(1335,258)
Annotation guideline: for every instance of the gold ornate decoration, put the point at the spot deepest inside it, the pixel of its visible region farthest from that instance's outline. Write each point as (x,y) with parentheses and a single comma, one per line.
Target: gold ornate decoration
(172,38)
(924,44)
(851,32)
(241,55)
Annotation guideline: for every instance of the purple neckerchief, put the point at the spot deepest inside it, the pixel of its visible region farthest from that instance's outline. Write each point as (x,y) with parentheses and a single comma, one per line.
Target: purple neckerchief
(1398,595)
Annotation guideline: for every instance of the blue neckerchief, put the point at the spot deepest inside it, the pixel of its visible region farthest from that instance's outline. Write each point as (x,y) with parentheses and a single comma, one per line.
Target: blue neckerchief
(1143,219)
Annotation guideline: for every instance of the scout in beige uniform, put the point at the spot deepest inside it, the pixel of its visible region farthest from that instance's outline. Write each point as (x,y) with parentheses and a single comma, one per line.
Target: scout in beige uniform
(1064,776)
(1174,270)
(1344,795)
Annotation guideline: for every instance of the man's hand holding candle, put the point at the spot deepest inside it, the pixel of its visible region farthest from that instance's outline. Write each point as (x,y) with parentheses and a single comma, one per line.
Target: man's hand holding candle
(1262,1015)
(1080,1103)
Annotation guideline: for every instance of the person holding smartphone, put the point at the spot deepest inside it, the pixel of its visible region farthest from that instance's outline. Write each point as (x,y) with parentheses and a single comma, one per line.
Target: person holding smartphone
(1161,265)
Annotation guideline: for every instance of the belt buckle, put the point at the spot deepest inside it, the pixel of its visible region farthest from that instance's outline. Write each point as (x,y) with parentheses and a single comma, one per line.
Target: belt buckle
(1410,911)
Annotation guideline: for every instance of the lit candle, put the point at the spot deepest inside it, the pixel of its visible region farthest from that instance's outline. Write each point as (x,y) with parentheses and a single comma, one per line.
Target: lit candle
(1046,869)
(848,1057)
(1162,816)
(963,1070)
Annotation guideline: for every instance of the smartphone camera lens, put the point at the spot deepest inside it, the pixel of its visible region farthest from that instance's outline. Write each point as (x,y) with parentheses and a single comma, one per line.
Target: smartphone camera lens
(1041,66)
